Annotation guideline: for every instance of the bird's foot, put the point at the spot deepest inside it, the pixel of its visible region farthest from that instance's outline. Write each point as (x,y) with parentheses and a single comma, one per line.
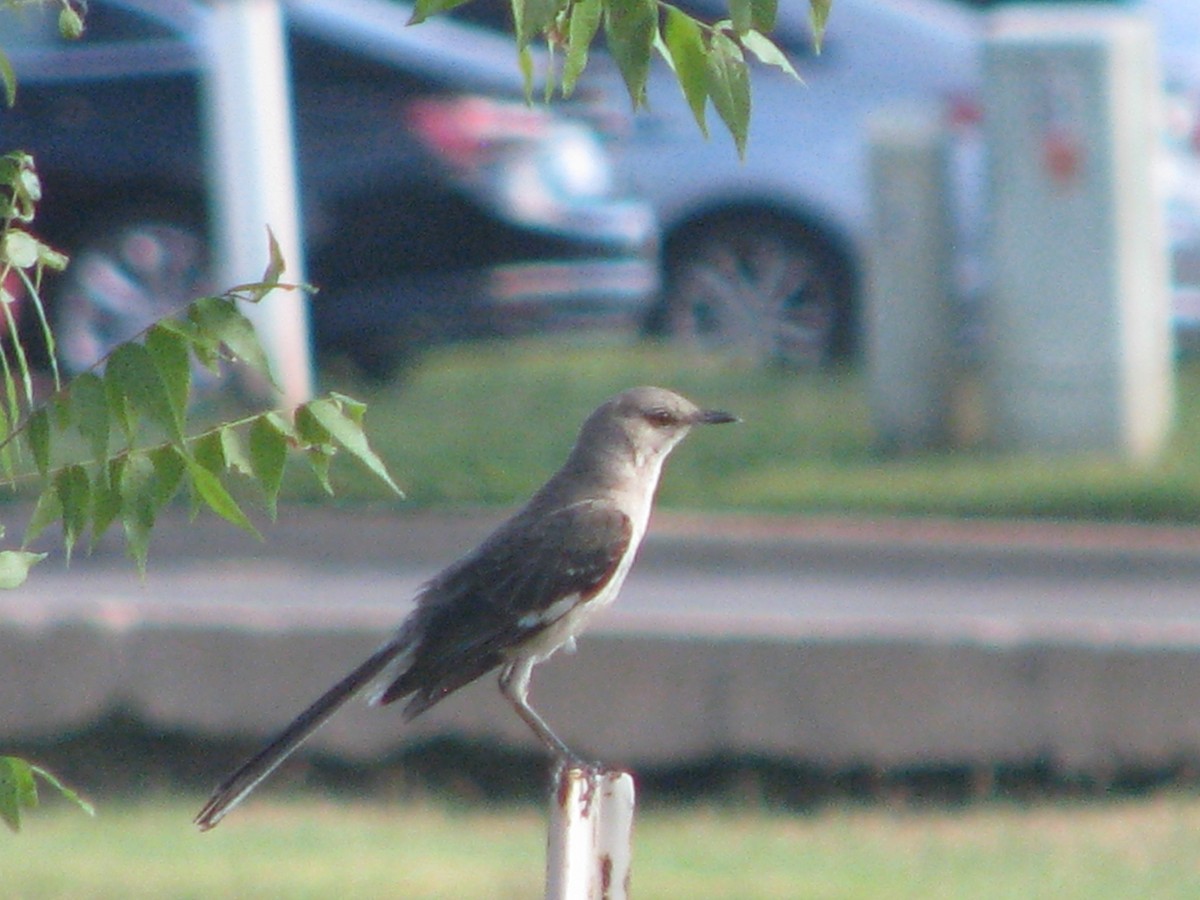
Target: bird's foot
(573,762)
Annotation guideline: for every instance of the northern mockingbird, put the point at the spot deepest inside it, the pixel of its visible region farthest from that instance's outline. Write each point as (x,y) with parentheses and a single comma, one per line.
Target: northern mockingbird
(524,593)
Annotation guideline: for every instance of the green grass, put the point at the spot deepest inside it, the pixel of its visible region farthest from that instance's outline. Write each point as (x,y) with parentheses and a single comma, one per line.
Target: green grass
(486,423)
(319,849)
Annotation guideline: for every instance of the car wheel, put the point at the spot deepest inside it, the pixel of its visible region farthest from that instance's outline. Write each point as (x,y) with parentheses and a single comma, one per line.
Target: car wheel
(757,286)
(121,280)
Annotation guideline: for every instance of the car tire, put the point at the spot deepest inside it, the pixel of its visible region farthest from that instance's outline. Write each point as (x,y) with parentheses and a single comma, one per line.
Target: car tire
(759,286)
(123,276)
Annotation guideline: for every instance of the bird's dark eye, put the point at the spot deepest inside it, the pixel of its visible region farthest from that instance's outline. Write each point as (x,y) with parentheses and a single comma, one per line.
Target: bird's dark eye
(659,418)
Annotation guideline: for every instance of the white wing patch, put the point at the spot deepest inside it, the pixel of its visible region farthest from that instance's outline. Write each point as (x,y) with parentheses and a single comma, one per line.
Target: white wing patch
(551,614)
(382,681)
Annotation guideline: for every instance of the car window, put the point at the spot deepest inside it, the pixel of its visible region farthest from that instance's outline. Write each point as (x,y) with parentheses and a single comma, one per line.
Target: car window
(316,62)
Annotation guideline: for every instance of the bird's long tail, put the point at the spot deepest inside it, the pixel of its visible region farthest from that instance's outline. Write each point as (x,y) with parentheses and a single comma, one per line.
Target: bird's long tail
(233,789)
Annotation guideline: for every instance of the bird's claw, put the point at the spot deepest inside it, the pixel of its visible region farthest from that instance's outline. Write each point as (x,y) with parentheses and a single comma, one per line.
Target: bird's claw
(572,762)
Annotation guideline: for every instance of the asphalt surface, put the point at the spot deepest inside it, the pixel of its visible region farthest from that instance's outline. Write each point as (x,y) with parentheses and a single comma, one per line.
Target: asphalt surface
(785,577)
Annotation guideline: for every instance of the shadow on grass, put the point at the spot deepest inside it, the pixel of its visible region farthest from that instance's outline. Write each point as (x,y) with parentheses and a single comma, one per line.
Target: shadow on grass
(122,757)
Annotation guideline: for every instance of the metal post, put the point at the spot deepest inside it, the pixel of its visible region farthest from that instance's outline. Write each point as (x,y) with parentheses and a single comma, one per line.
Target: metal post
(589,851)
(253,176)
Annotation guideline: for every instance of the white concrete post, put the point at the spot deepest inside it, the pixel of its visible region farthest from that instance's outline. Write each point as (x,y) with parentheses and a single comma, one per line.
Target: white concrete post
(910,317)
(253,177)
(589,853)
(1080,348)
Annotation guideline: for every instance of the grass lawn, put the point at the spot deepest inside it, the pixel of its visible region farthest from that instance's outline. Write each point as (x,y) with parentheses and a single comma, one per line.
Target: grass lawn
(283,848)
(486,423)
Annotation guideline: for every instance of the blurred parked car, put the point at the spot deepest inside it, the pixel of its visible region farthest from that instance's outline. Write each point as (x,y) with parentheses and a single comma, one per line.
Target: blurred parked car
(436,204)
(768,253)
(765,255)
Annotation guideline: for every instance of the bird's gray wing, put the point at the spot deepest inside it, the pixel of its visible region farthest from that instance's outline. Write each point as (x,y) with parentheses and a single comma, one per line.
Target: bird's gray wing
(505,593)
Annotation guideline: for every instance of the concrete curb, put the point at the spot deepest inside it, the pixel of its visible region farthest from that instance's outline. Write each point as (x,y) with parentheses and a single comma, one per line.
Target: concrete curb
(226,639)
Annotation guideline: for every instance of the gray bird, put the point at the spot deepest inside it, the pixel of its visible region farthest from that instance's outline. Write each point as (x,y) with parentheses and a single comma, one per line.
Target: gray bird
(528,590)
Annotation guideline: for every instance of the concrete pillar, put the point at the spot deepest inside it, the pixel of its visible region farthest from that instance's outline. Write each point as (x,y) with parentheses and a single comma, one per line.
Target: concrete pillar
(253,173)
(910,317)
(1080,350)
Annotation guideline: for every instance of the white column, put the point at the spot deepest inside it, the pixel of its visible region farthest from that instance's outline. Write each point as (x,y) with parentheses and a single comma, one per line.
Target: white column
(253,177)
(1080,352)
(910,318)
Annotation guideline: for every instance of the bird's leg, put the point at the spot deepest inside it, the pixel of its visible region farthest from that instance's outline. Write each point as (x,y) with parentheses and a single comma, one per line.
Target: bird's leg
(514,685)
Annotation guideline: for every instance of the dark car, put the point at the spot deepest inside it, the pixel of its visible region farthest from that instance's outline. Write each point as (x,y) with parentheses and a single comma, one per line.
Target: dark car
(436,204)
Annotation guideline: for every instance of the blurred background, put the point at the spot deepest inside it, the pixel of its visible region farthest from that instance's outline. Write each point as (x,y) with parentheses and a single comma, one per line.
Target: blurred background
(930,608)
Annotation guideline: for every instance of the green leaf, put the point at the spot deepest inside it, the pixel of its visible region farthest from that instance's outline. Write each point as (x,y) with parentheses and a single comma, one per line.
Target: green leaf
(741,15)
(70,23)
(139,505)
(768,52)
(685,42)
(268,458)
(525,64)
(19,248)
(168,462)
(221,320)
(585,22)
(355,409)
(283,425)
(49,258)
(346,429)
(818,17)
(275,261)
(169,351)
(18,790)
(550,70)
(59,405)
(21,177)
(210,489)
(106,497)
(46,511)
(729,88)
(7,465)
(318,460)
(763,13)
(65,791)
(309,429)
(233,452)
(132,375)
(206,347)
(9,79)
(15,566)
(531,18)
(89,407)
(630,27)
(74,490)
(37,432)
(209,452)
(423,9)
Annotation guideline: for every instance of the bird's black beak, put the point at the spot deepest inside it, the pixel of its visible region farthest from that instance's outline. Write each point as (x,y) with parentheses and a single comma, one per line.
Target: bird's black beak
(715,417)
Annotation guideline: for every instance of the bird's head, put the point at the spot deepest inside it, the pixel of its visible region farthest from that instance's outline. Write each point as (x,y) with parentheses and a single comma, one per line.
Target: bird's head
(646,423)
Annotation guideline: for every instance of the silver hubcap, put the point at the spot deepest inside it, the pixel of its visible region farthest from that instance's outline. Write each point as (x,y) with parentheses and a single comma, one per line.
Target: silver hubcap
(758,295)
(116,289)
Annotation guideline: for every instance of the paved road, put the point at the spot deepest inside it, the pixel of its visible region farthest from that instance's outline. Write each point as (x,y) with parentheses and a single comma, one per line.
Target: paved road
(990,581)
